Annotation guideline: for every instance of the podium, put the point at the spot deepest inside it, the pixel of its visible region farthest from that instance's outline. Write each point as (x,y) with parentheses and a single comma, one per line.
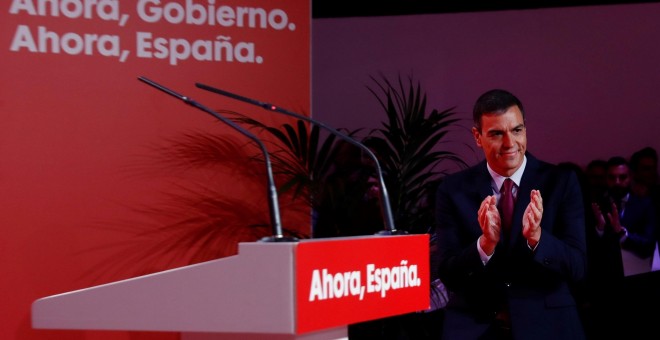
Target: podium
(311,289)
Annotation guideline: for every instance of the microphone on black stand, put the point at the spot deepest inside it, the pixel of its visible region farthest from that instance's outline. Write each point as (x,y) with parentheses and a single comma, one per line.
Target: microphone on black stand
(273,203)
(386,210)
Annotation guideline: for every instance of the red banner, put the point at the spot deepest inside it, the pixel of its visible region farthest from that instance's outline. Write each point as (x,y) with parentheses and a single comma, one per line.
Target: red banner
(344,281)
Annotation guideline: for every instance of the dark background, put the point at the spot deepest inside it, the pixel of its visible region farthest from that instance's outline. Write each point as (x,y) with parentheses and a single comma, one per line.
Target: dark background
(344,8)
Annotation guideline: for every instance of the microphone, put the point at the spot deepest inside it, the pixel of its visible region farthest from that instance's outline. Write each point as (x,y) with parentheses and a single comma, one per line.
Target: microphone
(386,209)
(273,204)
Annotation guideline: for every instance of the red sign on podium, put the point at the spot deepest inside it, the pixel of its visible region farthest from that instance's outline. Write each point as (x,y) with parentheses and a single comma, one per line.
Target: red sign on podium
(342,281)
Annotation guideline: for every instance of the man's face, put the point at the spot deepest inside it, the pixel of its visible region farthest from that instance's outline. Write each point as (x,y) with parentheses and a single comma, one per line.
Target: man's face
(647,171)
(597,177)
(618,180)
(503,139)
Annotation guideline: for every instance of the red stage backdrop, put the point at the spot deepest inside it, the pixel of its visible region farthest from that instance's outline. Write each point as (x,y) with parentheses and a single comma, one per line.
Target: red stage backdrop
(81,141)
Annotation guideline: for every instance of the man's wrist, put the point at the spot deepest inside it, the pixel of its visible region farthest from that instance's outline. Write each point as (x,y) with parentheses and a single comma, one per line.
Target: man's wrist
(532,244)
(482,254)
(623,233)
(485,247)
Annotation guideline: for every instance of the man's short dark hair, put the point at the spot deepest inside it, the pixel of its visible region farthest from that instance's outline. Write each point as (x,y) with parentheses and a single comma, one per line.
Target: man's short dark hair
(647,152)
(616,161)
(494,101)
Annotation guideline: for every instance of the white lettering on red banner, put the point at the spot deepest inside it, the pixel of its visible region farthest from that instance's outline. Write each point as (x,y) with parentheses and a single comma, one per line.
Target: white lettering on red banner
(209,47)
(327,285)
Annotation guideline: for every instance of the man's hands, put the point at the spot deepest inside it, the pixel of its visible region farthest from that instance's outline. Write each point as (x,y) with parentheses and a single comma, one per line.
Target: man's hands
(600,218)
(491,223)
(612,217)
(615,221)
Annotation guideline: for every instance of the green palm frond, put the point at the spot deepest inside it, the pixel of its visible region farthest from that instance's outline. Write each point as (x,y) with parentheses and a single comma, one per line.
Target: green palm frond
(407,144)
(300,156)
(201,222)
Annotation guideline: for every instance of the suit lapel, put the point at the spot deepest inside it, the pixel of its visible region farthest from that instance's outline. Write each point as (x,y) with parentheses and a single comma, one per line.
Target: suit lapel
(482,183)
(478,188)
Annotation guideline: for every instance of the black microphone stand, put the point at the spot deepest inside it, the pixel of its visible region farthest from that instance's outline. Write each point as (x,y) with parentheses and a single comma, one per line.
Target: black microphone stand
(386,209)
(273,203)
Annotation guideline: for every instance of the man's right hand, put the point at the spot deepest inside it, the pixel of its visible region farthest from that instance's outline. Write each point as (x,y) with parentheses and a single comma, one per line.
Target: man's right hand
(600,218)
(614,219)
(490,222)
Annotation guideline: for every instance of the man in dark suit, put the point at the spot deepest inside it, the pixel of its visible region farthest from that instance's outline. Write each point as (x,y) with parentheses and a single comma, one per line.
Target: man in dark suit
(621,241)
(510,282)
(627,218)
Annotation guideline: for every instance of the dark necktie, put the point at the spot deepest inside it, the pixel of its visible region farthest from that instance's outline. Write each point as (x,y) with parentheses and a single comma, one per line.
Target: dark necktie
(622,208)
(506,206)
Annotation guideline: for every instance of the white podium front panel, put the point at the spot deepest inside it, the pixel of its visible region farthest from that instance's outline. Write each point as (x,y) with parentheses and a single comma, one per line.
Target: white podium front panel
(248,292)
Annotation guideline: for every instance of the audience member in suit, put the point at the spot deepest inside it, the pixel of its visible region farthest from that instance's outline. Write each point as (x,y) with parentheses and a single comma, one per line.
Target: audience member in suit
(596,176)
(644,170)
(516,286)
(628,218)
(620,243)
(604,264)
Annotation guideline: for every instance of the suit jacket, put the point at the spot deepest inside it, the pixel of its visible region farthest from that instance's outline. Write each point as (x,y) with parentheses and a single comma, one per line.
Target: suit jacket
(536,285)
(639,218)
(604,251)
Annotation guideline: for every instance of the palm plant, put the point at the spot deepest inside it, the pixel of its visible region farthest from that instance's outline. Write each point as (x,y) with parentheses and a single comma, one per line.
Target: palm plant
(199,220)
(315,169)
(408,147)
(301,158)
(201,223)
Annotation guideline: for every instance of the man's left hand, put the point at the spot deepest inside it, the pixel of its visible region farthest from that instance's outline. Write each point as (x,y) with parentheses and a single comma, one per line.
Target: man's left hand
(532,219)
